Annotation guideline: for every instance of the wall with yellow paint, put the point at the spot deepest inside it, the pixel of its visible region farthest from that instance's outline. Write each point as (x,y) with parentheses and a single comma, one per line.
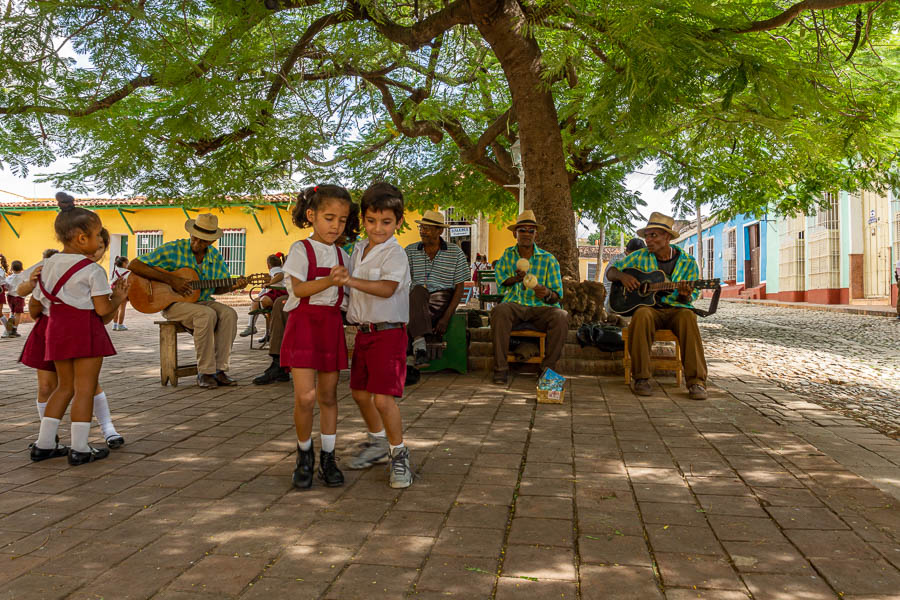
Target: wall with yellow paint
(35,228)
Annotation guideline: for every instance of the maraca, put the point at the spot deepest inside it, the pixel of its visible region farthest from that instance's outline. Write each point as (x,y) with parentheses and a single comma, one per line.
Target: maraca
(523,265)
(530,281)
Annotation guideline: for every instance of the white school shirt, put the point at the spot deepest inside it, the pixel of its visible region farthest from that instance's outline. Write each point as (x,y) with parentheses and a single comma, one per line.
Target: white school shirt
(296,266)
(77,292)
(272,273)
(12,282)
(118,273)
(386,261)
(2,279)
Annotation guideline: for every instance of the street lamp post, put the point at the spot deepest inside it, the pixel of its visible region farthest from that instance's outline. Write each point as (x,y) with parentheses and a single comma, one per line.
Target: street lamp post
(516,151)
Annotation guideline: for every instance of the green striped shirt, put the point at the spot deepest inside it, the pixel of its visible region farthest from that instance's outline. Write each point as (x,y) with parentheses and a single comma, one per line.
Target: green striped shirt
(685,270)
(176,255)
(448,268)
(542,264)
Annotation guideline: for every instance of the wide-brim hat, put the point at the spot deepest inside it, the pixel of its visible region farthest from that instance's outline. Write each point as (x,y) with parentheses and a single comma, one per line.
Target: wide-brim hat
(205,227)
(658,220)
(526,219)
(432,218)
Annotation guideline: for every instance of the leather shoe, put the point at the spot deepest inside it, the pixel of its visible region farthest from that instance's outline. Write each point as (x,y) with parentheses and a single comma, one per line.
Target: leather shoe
(39,454)
(697,392)
(222,378)
(115,441)
(271,375)
(79,458)
(642,387)
(501,377)
(207,381)
(303,474)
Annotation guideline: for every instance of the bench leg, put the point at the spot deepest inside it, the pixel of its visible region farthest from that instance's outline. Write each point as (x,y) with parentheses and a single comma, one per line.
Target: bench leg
(168,356)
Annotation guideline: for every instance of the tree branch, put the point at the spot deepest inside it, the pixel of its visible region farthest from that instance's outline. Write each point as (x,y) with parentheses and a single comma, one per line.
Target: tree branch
(420,34)
(791,13)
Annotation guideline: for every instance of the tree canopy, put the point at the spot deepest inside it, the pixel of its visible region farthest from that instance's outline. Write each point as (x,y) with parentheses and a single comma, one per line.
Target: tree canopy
(744,104)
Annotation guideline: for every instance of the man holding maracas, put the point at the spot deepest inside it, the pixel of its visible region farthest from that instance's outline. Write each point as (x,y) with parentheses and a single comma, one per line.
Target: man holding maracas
(531,284)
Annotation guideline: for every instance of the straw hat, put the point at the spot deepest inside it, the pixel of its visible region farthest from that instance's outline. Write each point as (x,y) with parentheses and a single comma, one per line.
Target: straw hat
(432,218)
(659,221)
(526,219)
(205,227)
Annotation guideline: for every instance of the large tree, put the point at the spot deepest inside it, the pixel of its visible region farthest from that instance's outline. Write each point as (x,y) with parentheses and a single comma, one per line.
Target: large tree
(744,103)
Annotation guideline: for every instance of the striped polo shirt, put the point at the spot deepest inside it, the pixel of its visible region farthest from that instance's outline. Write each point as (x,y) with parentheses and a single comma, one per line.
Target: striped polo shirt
(448,268)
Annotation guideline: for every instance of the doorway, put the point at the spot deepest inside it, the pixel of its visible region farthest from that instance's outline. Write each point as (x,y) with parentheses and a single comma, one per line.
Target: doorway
(751,264)
(876,246)
(118,246)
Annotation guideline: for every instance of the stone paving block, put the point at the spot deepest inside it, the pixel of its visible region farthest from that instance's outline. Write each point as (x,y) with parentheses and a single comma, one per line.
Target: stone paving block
(745,529)
(547,487)
(697,571)
(344,533)
(393,550)
(663,493)
(36,586)
(511,588)
(612,523)
(469,541)
(746,506)
(620,582)
(425,501)
(268,588)
(788,587)
(363,582)
(549,532)
(677,538)
(718,486)
(859,576)
(410,523)
(478,515)
(458,577)
(353,509)
(541,562)
(613,549)
(549,507)
(672,513)
(805,518)
(692,594)
(767,557)
(319,563)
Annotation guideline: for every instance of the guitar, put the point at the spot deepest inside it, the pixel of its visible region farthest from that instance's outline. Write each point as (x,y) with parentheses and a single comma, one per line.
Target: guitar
(153,296)
(652,283)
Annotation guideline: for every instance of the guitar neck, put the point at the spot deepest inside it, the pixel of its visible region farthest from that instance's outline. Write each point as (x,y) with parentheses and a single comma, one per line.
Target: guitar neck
(205,284)
(668,286)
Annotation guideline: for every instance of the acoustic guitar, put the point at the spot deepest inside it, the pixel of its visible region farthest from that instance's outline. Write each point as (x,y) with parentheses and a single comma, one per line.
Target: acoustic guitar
(153,296)
(652,284)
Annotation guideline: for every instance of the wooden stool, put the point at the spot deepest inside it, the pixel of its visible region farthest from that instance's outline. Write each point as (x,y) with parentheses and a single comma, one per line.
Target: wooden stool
(169,369)
(528,333)
(667,363)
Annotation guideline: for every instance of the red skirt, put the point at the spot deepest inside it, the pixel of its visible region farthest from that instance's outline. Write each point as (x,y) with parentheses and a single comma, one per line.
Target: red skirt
(314,339)
(16,304)
(76,333)
(35,347)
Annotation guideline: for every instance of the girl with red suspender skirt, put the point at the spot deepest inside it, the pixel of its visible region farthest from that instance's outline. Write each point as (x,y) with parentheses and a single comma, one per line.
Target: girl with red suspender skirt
(76,339)
(314,347)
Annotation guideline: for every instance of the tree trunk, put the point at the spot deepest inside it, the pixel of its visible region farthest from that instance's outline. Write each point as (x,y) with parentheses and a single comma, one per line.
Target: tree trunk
(600,243)
(503,25)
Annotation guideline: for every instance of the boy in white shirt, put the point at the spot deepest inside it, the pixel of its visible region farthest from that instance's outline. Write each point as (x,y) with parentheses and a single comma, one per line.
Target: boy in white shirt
(16,302)
(379,306)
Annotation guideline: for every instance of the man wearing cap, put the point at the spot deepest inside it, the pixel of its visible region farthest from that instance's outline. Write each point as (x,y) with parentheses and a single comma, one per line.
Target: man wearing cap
(439,271)
(214,324)
(537,305)
(673,311)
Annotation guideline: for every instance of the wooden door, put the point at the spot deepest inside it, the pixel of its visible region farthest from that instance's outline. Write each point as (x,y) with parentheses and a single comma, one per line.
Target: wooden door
(752,264)
(876,246)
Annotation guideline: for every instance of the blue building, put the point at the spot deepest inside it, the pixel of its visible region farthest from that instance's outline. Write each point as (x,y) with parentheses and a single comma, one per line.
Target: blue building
(733,251)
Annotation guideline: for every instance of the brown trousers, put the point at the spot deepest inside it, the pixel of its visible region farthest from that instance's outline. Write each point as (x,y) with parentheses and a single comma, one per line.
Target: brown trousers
(553,321)
(425,309)
(683,323)
(277,323)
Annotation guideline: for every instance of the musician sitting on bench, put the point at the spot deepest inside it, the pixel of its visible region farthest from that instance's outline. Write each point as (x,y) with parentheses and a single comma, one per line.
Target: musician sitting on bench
(526,300)
(670,312)
(214,324)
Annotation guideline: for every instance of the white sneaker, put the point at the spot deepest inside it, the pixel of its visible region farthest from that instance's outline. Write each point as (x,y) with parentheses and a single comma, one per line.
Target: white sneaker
(122,327)
(401,473)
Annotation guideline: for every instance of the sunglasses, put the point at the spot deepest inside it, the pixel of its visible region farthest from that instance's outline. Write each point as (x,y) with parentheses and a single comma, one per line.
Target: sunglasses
(526,230)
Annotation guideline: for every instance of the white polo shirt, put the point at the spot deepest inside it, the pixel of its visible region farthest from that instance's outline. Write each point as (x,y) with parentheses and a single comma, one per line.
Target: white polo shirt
(77,292)
(386,261)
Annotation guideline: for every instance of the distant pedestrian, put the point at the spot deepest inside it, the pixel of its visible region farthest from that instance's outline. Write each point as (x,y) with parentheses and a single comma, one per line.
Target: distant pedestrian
(120,271)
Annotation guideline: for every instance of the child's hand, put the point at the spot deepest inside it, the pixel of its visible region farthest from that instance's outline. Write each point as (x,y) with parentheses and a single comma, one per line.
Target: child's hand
(339,275)
(120,289)
(34,275)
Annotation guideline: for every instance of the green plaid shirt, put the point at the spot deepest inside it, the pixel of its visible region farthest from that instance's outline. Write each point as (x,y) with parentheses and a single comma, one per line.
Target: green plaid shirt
(177,254)
(544,266)
(685,270)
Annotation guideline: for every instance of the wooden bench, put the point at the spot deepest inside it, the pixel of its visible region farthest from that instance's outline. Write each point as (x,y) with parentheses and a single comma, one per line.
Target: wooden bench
(541,338)
(169,369)
(665,363)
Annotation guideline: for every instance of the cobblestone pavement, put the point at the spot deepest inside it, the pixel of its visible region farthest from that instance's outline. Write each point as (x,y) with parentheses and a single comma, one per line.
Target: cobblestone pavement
(850,363)
(755,491)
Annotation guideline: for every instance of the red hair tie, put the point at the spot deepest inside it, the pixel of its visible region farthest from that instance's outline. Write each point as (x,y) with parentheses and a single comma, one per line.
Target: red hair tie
(316,188)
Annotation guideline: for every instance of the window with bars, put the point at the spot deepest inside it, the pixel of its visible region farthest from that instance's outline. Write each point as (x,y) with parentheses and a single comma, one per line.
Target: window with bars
(233,248)
(825,246)
(691,250)
(731,255)
(792,254)
(709,257)
(147,241)
(895,219)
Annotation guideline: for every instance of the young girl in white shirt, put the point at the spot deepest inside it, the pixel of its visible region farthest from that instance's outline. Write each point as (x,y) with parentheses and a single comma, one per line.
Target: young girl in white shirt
(313,347)
(120,271)
(77,340)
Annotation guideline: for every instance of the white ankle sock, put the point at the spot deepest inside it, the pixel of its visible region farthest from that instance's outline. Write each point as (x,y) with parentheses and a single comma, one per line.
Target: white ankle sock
(328,442)
(305,445)
(47,436)
(419,344)
(80,432)
(41,406)
(379,433)
(393,447)
(101,412)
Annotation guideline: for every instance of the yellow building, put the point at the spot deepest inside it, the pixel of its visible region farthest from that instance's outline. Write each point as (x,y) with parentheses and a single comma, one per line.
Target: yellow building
(252,231)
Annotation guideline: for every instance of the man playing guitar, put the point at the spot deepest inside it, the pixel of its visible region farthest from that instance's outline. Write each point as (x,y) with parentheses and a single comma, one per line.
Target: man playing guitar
(670,312)
(213,323)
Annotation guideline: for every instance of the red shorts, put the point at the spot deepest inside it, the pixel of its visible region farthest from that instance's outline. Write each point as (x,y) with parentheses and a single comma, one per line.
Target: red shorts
(274,293)
(16,304)
(379,362)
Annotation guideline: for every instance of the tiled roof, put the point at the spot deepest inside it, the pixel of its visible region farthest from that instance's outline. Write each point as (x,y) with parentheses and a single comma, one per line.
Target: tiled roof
(137,201)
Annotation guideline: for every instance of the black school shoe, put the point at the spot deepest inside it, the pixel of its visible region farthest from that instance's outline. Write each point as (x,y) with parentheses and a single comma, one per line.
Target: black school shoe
(272,375)
(329,473)
(306,462)
(39,454)
(115,441)
(79,458)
